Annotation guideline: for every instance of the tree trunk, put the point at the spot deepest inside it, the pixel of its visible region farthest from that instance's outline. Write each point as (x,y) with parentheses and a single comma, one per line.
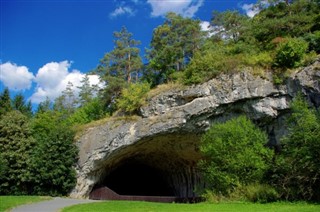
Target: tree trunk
(129,68)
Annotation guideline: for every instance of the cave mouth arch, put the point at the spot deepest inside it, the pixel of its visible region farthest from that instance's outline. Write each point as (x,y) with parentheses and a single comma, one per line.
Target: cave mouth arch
(164,165)
(134,177)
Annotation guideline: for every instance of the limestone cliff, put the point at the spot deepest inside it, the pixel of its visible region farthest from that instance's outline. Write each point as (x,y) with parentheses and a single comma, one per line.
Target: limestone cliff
(165,137)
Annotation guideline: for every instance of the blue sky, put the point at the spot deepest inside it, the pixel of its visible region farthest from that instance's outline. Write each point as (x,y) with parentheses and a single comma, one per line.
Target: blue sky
(46,43)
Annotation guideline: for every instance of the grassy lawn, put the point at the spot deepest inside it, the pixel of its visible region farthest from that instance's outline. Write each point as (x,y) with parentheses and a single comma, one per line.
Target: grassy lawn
(7,202)
(147,206)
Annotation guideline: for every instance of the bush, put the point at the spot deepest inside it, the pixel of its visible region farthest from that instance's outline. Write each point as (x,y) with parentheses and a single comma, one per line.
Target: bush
(208,65)
(235,154)
(201,68)
(53,157)
(290,53)
(213,197)
(262,59)
(261,193)
(133,97)
(310,58)
(90,111)
(297,170)
(16,145)
(314,41)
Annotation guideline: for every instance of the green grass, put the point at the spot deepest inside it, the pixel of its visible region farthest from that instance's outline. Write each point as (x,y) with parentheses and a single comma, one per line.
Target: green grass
(110,206)
(8,202)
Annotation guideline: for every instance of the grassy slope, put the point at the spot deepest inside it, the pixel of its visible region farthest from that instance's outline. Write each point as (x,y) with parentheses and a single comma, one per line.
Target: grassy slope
(147,206)
(7,202)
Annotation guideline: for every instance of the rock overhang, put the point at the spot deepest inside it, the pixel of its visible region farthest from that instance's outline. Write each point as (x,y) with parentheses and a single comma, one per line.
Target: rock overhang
(167,134)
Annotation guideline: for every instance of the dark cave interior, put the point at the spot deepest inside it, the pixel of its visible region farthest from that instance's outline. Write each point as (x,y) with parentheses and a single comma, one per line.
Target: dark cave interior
(136,178)
(159,166)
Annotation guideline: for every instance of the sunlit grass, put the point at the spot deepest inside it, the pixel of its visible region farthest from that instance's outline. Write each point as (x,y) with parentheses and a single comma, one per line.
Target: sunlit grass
(164,88)
(233,206)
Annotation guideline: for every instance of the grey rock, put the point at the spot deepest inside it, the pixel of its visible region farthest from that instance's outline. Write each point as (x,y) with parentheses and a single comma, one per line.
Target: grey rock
(167,133)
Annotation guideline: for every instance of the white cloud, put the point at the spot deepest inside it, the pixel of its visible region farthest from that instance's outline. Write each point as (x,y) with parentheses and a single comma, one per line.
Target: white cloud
(186,8)
(122,10)
(250,9)
(52,73)
(15,77)
(53,78)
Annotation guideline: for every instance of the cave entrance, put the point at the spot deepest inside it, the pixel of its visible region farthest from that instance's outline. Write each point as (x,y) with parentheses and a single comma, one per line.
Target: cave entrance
(136,178)
(164,166)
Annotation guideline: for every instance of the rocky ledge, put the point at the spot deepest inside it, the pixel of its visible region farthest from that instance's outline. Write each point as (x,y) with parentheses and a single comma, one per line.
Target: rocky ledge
(162,143)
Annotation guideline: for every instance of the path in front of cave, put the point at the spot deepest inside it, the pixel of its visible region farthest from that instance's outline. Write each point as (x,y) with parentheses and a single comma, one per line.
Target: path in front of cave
(53,205)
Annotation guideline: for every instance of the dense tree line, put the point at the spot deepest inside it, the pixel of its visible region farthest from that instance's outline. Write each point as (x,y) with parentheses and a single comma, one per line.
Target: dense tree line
(37,150)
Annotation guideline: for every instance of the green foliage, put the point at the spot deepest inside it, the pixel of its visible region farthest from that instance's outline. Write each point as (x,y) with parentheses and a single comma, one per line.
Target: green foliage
(93,110)
(5,102)
(133,97)
(201,68)
(262,59)
(124,60)
(283,20)
(235,154)
(67,102)
(16,144)
(297,171)
(290,53)
(310,58)
(44,106)
(86,93)
(19,103)
(314,41)
(271,38)
(261,193)
(217,58)
(118,67)
(111,92)
(173,44)
(3,166)
(37,157)
(229,24)
(54,155)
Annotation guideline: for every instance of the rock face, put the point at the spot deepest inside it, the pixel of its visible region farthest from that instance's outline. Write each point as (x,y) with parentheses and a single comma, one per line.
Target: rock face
(163,141)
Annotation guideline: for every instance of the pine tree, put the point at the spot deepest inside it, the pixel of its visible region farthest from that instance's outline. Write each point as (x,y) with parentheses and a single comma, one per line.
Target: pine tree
(44,106)
(124,59)
(86,92)
(70,100)
(19,103)
(5,102)
(229,25)
(173,45)
(118,66)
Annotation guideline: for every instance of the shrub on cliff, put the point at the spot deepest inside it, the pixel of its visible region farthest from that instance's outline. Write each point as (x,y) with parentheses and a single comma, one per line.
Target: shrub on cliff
(133,97)
(290,53)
